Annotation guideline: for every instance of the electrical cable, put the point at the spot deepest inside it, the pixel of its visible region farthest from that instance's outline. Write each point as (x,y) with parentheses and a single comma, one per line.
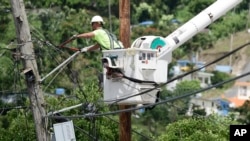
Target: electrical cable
(54,76)
(157,103)
(178,108)
(76,78)
(85,132)
(48,43)
(182,75)
(139,108)
(34,90)
(209,63)
(15,89)
(17,79)
(16,107)
(204,117)
(11,44)
(145,137)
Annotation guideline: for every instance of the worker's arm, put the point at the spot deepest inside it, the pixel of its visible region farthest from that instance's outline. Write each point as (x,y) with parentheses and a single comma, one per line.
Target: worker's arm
(88,35)
(85,35)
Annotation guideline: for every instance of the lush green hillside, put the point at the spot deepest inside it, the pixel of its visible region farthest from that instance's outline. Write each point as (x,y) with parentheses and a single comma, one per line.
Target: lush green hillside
(54,21)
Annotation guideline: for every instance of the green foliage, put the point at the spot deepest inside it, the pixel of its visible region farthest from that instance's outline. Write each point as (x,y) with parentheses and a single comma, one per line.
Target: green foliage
(166,113)
(197,129)
(220,77)
(179,108)
(244,112)
(17,125)
(236,22)
(187,86)
(6,22)
(55,21)
(106,129)
(200,42)
(6,71)
(185,11)
(196,6)
(244,5)
(179,53)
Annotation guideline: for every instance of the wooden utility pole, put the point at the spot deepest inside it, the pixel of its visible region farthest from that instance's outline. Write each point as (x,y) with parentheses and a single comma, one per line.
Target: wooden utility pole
(30,67)
(125,117)
(124,17)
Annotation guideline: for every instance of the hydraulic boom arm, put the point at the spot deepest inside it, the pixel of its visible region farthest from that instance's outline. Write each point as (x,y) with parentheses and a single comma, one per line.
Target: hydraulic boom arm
(199,22)
(148,58)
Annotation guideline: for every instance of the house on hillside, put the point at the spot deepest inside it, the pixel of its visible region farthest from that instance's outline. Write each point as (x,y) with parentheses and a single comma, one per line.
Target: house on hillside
(203,77)
(243,90)
(211,106)
(242,94)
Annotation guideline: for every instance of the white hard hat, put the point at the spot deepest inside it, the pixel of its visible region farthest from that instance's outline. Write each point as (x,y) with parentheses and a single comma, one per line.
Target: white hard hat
(97,19)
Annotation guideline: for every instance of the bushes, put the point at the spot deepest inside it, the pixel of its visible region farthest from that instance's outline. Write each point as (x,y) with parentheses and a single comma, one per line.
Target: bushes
(220,77)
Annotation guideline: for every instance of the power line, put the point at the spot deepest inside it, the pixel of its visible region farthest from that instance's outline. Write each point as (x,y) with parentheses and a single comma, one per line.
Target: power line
(175,98)
(172,99)
(50,44)
(17,107)
(182,75)
(178,97)
(145,137)
(154,104)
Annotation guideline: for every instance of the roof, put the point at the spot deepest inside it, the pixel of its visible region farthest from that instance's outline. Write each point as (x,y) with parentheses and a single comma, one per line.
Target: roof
(241,83)
(237,102)
(205,74)
(223,68)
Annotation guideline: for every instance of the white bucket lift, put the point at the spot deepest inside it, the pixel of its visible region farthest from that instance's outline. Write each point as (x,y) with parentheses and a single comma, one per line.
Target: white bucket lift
(149,56)
(141,68)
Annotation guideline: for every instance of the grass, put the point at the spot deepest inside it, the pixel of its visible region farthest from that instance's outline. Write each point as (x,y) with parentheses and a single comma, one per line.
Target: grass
(223,45)
(213,93)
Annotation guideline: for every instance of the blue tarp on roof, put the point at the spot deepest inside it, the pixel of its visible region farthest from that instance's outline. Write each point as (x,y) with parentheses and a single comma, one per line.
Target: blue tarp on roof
(223,68)
(223,107)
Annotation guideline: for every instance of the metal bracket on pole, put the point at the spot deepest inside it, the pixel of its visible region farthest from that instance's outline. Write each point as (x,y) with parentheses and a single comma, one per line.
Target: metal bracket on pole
(62,64)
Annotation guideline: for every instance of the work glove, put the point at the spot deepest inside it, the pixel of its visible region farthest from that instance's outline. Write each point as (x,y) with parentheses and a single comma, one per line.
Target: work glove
(84,49)
(74,37)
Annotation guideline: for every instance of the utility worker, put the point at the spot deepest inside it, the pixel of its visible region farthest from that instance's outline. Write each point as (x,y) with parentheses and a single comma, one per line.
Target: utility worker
(104,40)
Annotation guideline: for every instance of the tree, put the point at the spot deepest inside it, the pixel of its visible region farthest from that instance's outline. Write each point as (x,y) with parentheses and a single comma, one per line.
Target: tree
(172,111)
(13,129)
(57,20)
(243,110)
(6,71)
(17,124)
(220,77)
(7,26)
(198,128)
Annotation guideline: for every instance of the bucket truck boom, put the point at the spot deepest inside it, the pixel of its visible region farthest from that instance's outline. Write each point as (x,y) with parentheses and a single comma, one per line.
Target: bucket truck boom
(145,64)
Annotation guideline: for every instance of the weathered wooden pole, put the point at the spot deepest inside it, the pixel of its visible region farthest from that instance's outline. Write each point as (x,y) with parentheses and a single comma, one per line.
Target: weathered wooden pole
(124,16)
(30,68)
(125,117)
